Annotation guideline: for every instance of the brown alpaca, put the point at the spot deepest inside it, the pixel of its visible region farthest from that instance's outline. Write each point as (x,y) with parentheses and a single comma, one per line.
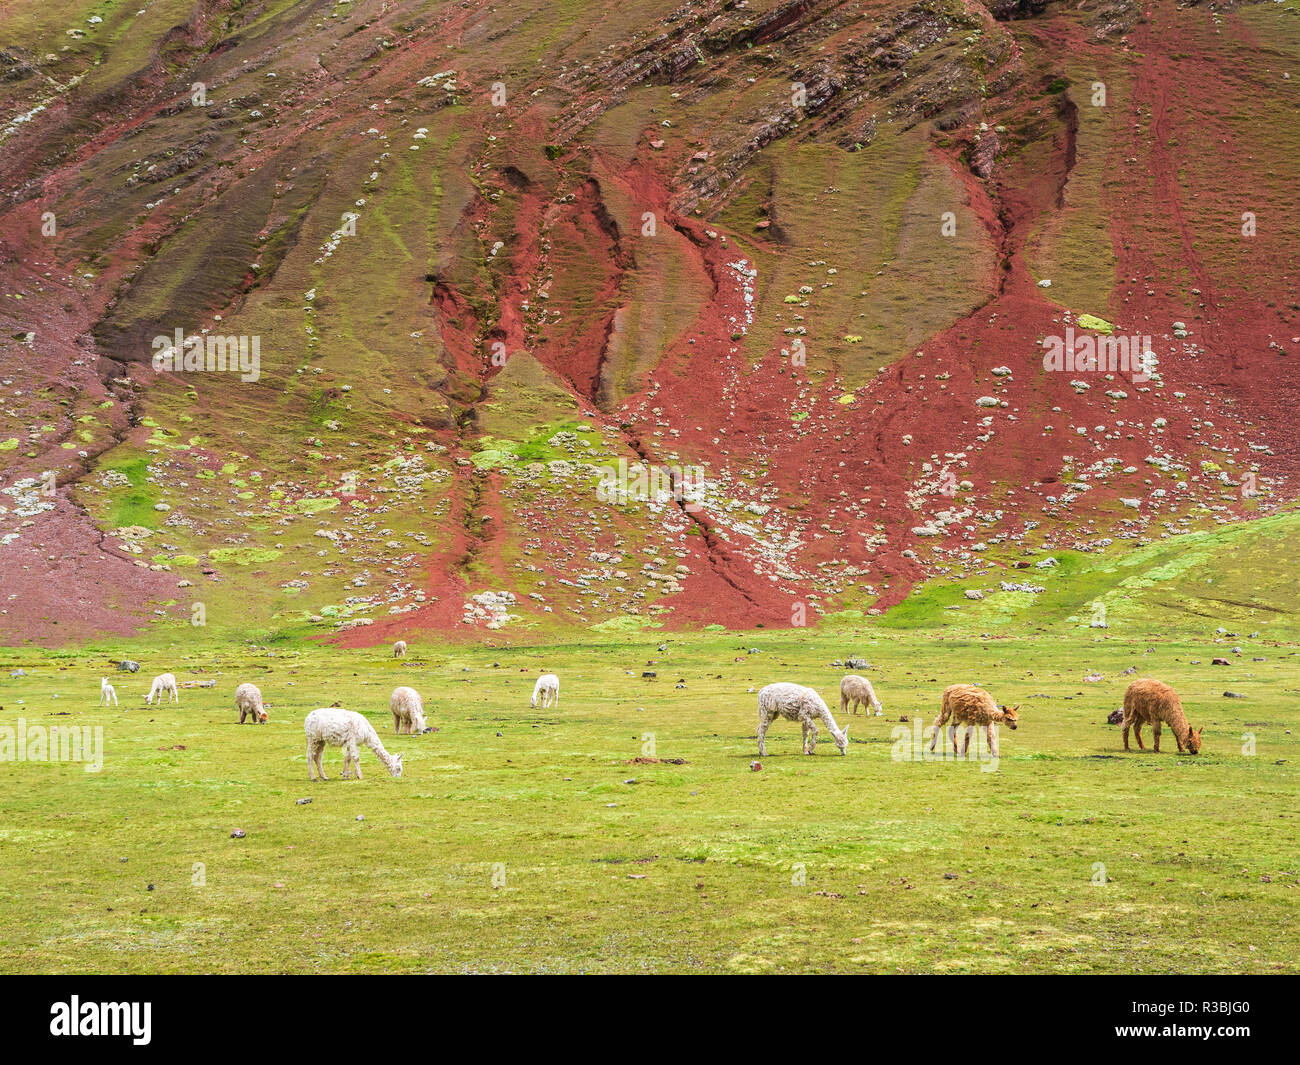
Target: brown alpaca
(1155,702)
(968,705)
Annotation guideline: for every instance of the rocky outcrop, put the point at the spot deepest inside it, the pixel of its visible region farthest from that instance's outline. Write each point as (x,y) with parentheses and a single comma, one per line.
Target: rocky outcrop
(985,153)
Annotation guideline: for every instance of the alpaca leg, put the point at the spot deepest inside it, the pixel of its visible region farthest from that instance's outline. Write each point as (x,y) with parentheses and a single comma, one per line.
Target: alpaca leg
(1128,723)
(844,704)
(952,735)
(1155,736)
(938,728)
(992,739)
(320,768)
(812,739)
(1137,732)
(965,739)
(762,734)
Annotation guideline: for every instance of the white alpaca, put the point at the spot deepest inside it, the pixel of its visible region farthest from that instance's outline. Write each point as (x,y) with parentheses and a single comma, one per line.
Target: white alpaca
(797,703)
(337,727)
(858,691)
(399,649)
(248,701)
(106,692)
(547,689)
(164,682)
(408,711)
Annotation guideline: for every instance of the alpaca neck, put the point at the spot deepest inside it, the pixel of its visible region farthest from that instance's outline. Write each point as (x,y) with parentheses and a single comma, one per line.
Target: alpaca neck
(380,753)
(830,723)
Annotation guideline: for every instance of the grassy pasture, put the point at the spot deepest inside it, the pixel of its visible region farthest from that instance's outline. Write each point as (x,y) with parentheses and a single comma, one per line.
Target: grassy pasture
(522,840)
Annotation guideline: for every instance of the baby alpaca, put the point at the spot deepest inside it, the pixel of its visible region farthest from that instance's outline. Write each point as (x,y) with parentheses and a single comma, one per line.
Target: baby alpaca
(164,682)
(968,705)
(797,703)
(399,649)
(547,689)
(408,711)
(1155,702)
(248,701)
(347,729)
(106,692)
(858,691)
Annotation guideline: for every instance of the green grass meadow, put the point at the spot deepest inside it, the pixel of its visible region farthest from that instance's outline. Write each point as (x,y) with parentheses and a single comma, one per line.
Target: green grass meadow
(524,840)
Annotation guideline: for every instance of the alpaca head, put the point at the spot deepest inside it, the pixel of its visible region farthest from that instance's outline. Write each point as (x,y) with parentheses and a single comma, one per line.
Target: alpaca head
(842,740)
(533,701)
(1009,715)
(395,769)
(1194,740)
(262,715)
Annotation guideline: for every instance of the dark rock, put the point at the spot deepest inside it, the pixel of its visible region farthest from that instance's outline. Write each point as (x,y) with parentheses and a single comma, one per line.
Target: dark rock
(1115,717)
(127,666)
(1007,10)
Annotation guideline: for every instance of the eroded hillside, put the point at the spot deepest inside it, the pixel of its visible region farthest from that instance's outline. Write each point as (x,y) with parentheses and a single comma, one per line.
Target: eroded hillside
(621,314)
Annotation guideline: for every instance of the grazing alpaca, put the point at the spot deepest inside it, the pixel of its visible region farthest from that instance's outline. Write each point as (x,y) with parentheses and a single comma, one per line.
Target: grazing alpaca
(164,682)
(399,649)
(408,711)
(248,701)
(347,729)
(106,692)
(797,703)
(1155,702)
(858,691)
(968,705)
(547,689)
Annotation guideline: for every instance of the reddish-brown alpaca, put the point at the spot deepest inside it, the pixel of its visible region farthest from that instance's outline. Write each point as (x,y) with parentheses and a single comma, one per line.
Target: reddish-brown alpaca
(1155,702)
